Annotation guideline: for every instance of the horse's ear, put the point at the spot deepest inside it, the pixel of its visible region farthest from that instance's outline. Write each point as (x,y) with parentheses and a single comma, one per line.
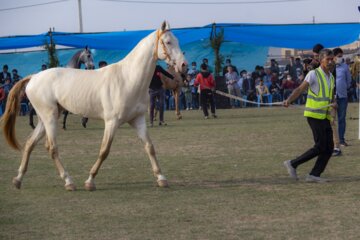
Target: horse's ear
(165,26)
(86,47)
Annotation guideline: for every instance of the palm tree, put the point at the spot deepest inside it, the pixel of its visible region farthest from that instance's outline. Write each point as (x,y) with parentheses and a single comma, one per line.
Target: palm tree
(51,49)
(217,38)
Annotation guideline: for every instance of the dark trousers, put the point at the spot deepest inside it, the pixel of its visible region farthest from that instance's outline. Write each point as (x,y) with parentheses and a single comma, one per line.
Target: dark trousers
(31,116)
(341,110)
(323,148)
(160,95)
(206,96)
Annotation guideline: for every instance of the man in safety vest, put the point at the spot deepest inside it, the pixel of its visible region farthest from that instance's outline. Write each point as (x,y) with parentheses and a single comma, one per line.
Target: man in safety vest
(319,84)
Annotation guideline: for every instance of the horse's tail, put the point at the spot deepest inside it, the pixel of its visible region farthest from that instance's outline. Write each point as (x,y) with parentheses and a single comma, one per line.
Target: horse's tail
(11,111)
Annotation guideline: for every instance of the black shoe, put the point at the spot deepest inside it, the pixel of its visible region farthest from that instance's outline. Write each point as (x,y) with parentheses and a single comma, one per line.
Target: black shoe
(344,144)
(162,123)
(214,116)
(336,152)
(32,125)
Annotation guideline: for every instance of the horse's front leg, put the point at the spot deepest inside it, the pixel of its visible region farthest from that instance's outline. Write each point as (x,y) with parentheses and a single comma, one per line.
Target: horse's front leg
(139,124)
(109,132)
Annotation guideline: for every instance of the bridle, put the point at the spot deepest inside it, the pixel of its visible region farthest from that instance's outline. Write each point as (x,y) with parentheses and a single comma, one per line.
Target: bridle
(158,39)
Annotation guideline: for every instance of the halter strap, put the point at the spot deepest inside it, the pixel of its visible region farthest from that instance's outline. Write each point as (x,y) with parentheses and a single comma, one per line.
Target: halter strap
(158,36)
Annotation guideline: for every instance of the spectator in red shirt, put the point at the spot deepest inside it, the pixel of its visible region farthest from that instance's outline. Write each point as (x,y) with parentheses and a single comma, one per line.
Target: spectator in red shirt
(207,86)
(288,85)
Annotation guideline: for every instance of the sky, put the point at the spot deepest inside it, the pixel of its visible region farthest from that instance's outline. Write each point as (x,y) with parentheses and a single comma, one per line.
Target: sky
(27,17)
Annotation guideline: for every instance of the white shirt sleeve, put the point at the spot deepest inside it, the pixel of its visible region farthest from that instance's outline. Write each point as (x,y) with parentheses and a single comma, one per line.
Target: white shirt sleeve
(311,78)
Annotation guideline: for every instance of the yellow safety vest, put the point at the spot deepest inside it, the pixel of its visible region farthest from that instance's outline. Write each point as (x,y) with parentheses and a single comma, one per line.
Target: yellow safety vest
(315,103)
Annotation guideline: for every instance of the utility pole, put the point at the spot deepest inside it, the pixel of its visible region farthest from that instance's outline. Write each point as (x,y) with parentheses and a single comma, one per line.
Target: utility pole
(80,16)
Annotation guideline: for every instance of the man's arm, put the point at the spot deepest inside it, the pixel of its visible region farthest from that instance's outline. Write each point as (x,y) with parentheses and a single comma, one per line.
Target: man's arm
(163,71)
(296,93)
(348,77)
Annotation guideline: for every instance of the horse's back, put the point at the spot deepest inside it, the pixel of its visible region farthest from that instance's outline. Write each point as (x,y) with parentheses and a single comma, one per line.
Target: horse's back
(71,88)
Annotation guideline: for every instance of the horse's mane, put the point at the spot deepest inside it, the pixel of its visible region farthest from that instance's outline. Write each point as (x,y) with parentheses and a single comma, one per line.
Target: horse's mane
(74,61)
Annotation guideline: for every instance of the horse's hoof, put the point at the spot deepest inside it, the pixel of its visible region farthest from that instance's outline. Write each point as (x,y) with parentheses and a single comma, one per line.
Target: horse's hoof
(163,183)
(70,187)
(16,183)
(90,186)
(179,117)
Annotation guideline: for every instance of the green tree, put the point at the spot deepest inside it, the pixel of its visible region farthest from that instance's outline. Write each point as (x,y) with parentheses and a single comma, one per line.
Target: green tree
(217,39)
(51,49)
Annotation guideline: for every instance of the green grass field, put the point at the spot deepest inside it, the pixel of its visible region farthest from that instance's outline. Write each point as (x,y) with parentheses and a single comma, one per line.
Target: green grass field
(226,181)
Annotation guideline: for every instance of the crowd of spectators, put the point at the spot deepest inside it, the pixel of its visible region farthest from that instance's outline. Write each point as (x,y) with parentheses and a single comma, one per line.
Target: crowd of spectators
(274,80)
(7,80)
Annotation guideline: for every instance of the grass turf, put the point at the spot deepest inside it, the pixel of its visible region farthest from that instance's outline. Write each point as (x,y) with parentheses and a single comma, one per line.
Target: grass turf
(226,181)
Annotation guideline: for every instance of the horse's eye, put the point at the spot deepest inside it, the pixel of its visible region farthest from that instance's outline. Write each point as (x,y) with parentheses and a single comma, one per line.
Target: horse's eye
(89,56)
(168,43)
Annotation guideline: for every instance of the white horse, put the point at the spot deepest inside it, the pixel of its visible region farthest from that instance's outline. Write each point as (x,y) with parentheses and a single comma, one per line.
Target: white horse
(117,94)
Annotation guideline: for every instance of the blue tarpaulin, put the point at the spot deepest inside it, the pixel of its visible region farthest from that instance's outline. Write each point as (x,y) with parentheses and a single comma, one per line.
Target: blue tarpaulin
(244,56)
(300,36)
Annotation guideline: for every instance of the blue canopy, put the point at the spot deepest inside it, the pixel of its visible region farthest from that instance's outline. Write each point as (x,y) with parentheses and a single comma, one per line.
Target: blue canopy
(300,36)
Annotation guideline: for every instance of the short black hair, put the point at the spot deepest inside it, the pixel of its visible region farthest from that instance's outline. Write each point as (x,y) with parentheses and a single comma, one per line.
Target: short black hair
(15,70)
(203,66)
(6,66)
(317,48)
(102,63)
(243,71)
(193,63)
(337,50)
(228,60)
(307,61)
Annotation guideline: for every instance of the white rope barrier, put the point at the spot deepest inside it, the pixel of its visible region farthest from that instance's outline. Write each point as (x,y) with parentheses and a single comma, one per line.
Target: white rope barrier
(245,100)
(263,104)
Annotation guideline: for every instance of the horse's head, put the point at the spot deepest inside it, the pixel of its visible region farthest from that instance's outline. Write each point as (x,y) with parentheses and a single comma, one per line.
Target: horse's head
(86,58)
(167,48)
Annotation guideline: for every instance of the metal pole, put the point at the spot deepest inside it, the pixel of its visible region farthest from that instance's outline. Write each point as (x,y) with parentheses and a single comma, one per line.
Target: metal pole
(80,16)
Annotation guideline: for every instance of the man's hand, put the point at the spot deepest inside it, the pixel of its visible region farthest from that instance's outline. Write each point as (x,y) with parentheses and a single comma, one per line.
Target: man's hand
(286,103)
(334,105)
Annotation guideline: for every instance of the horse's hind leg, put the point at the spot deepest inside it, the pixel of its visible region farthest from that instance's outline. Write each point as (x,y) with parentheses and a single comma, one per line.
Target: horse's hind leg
(51,131)
(139,124)
(35,137)
(176,93)
(109,132)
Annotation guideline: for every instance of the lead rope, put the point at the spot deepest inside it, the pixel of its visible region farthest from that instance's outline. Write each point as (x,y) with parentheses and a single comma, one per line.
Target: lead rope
(263,104)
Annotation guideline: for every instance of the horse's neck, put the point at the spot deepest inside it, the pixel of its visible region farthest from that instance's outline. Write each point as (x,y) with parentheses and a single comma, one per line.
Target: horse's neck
(142,61)
(74,62)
